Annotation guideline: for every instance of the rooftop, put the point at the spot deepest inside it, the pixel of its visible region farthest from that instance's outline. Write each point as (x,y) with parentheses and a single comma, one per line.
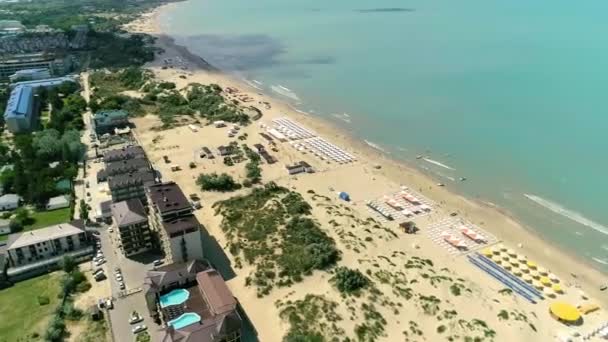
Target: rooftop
(181,224)
(128,152)
(168,197)
(110,117)
(131,179)
(31,237)
(19,102)
(49,82)
(128,212)
(10,198)
(127,165)
(217,295)
(168,274)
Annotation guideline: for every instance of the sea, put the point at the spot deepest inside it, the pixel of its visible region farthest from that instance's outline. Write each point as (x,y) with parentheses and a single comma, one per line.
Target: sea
(511,95)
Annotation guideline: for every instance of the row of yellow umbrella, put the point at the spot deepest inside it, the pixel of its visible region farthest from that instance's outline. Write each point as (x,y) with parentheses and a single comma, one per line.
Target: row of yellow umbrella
(526,269)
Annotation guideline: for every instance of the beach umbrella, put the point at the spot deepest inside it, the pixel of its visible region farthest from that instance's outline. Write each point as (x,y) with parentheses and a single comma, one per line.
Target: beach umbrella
(527,278)
(511,253)
(513,262)
(534,274)
(497,259)
(557,288)
(553,278)
(531,264)
(545,281)
(522,259)
(517,272)
(548,292)
(524,268)
(537,284)
(507,267)
(542,271)
(495,250)
(505,257)
(487,252)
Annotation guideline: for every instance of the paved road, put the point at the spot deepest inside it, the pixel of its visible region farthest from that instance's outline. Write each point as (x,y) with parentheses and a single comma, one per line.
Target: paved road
(133,273)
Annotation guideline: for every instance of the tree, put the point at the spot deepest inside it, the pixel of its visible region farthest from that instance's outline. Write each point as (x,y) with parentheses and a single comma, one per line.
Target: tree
(15,226)
(349,280)
(84,210)
(215,182)
(68,264)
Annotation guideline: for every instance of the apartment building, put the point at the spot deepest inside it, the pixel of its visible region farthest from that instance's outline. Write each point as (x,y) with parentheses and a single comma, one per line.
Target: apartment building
(130,185)
(38,251)
(132,228)
(106,121)
(128,152)
(171,217)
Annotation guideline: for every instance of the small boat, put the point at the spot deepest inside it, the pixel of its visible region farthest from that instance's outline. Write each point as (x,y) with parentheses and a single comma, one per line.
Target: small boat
(603,287)
(440,184)
(419,157)
(462,179)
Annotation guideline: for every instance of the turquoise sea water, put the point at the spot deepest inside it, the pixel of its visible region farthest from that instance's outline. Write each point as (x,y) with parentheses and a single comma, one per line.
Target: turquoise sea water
(511,94)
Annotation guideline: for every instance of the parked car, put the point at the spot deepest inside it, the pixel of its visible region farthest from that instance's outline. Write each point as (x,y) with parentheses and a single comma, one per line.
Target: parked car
(121,285)
(111,230)
(97,271)
(119,277)
(109,304)
(116,269)
(196,204)
(100,276)
(100,262)
(139,328)
(158,262)
(135,318)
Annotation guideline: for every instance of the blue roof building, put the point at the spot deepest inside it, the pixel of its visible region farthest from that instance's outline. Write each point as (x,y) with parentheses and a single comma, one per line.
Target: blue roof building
(19,109)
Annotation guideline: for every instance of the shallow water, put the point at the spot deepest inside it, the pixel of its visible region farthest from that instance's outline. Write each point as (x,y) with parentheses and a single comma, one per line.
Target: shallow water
(509,95)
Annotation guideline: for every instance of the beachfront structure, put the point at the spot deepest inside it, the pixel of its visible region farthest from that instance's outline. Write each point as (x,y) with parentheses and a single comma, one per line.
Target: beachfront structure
(106,121)
(132,227)
(194,302)
(9,202)
(262,152)
(130,185)
(20,110)
(30,75)
(123,166)
(58,202)
(300,167)
(10,27)
(128,152)
(224,150)
(171,217)
(38,251)
(14,63)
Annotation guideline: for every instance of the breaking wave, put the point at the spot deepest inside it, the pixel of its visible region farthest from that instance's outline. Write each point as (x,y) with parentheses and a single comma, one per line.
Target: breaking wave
(573,215)
(438,164)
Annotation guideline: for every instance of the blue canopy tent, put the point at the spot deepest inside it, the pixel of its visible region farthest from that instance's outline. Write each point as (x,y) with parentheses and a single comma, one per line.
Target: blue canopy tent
(344,196)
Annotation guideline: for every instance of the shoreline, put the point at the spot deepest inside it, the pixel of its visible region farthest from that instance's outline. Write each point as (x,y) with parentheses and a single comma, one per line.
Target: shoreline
(361,145)
(497,220)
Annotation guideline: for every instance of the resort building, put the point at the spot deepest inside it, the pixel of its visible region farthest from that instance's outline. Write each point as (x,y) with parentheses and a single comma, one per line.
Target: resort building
(171,216)
(39,251)
(129,152)
(194,303)
(20,110)
(106,121)
(262,152)
(10,65)
(299,168)
(132,227)
(130,185)
(45,83)
(123,166)
(30,75)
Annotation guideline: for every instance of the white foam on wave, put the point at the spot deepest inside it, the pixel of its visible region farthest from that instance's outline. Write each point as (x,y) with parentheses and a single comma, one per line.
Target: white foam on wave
(438,164)
(374,145)
(253,84)
(279,89)
(344,117)
(573,215)
(601,261)
(284,88)
(257,82)
(605,247)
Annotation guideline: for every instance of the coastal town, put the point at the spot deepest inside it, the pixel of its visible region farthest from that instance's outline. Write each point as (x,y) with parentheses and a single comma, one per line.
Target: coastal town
(162,200)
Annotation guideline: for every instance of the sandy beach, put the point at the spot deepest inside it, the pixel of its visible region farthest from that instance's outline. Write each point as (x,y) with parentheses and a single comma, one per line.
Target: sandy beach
(371,177)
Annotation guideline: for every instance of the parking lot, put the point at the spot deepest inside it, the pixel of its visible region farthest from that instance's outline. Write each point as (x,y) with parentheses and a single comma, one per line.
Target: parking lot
(130,299)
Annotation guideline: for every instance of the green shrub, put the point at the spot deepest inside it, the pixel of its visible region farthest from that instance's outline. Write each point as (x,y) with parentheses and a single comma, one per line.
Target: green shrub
(43,300)
(215,182)
(349,280)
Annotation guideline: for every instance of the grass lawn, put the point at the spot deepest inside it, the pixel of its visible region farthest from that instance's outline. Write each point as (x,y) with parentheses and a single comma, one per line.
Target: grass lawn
(3,237)
(21,314)
(47,218)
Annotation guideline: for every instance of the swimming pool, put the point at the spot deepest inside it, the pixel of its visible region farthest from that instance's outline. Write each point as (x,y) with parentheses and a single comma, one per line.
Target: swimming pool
(174,297)
(185,320)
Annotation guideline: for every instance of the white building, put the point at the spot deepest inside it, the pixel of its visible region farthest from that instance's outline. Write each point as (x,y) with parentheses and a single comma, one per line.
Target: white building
(39,251)
(9,202)
(58,203)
